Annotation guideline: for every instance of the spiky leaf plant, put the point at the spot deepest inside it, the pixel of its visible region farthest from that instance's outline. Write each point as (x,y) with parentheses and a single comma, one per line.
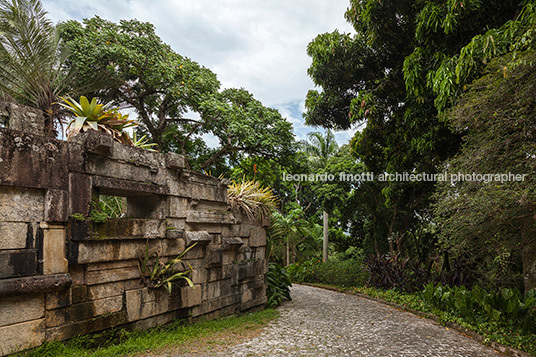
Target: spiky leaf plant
(96,116)
(32,61)
(250,198)
(143,142)
(156,273)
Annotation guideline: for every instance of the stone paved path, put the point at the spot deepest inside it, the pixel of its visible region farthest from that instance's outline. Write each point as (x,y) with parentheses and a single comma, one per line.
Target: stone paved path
(319,322)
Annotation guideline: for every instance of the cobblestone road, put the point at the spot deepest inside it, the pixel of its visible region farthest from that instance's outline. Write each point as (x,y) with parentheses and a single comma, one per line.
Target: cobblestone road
(319,322)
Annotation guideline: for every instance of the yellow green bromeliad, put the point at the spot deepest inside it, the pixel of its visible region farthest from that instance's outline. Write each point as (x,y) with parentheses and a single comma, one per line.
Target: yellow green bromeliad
(97,116)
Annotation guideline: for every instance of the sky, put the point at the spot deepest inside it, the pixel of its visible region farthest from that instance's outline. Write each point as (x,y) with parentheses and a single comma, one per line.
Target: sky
(259,45)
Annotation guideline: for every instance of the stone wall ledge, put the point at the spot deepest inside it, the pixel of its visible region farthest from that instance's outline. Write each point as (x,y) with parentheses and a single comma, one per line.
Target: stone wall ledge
(34,284)
(122,228)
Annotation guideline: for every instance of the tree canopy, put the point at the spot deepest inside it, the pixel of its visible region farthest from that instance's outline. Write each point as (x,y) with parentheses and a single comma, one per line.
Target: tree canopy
(490,222)
(397,78)
(176,99)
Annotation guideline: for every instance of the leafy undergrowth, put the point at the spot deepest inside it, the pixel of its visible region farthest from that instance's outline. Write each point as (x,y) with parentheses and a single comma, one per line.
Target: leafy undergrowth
(490,331)
(278,285)
(344,273)
(177,337)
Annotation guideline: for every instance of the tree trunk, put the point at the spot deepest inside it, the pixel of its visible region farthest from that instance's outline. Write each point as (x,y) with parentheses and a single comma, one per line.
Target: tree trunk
(325,240)
(529,265)
(288,251)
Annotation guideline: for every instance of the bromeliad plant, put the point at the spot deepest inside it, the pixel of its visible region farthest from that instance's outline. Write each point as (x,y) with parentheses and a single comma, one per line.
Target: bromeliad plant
(251,199)
(156,273)
(96,116)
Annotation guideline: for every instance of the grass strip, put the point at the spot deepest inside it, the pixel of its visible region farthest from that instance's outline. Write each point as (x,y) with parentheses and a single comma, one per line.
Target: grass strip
(177,336)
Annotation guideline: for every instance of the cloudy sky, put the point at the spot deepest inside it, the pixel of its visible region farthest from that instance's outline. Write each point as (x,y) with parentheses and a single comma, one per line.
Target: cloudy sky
(259,45)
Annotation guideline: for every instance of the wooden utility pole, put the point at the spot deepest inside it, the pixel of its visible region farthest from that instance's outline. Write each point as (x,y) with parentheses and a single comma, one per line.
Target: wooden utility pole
(325,240)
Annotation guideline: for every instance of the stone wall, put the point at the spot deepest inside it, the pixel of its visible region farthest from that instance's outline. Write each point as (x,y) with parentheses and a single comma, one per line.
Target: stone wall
(64,274)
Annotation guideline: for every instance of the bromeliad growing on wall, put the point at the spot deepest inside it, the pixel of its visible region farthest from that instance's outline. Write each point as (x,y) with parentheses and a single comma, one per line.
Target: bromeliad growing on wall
(163,274)
(96,116)
(251,199)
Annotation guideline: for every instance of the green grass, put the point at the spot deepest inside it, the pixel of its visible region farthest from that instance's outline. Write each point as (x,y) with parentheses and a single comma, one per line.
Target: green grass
(202,335)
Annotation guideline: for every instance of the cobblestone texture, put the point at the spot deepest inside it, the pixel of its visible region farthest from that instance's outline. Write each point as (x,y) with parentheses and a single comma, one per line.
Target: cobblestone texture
(318,322)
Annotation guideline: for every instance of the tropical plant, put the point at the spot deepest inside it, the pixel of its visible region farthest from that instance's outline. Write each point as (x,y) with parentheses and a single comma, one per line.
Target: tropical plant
(507,307)
(143,142)
(278,285)
(251,199)
(319,148)
(100,117)
(163,273)
(287,231)
(32,60)
(389,79)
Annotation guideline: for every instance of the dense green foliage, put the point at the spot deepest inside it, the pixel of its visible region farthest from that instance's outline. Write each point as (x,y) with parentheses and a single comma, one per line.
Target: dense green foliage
(176,99)
(510,335)
(504,307)
(489,225)
(405,77)
(347,272)
(278,285)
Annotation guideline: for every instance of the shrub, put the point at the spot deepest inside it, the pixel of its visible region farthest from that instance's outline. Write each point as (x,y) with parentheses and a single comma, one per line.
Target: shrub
(278,285)
(504,307)
(334,272)
(395,272)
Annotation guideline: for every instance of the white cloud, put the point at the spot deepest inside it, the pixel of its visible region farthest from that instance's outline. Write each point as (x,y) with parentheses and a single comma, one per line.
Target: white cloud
(257,45)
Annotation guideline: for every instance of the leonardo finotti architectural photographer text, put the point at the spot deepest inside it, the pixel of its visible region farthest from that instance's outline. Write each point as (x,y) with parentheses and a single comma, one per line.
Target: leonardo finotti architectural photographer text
(405,176)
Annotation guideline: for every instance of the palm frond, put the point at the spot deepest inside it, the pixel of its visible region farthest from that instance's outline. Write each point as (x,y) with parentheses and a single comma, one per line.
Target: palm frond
(32,59)
(320,147)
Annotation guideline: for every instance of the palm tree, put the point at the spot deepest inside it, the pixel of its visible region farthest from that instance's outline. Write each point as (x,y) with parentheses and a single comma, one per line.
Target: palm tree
(286,231)
(320,148)
(32,59)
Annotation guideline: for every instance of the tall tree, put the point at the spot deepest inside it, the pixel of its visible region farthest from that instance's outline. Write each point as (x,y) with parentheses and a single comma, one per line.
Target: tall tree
(165,88)
(490,222)
(320,148)
(362,81)
(392,76)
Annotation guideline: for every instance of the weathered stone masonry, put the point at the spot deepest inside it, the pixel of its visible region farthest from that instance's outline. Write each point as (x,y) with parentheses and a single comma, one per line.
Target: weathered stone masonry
(60,277)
